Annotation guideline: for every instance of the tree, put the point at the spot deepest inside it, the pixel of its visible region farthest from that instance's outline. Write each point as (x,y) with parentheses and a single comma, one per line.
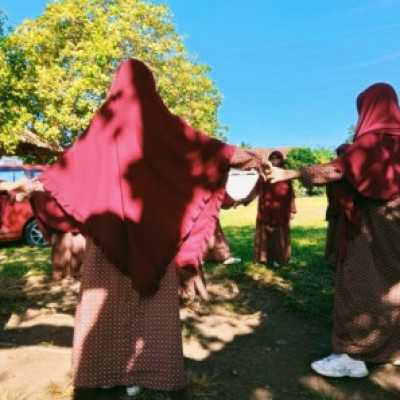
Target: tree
(323,155)
(350,133)
(3,19)
(10,102)
(300,157)
(245,145)
(58,67)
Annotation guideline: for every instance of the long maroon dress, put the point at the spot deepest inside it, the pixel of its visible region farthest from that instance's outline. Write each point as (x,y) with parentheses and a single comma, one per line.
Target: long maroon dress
(145,189)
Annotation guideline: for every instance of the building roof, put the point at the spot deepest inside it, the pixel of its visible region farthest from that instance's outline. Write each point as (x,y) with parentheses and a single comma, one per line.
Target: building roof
(31,144)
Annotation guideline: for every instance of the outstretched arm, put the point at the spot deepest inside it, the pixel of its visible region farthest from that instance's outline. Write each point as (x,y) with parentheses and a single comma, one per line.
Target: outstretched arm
(251,159)
(276,174)
(12,186)
(23,188)
(310,176)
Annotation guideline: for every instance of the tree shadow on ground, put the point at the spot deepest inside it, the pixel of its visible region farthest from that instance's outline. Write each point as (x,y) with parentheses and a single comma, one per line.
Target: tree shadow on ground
(37,311)
(272,360)
(245,343)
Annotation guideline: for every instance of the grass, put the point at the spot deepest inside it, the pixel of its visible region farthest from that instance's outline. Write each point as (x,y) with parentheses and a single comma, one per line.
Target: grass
(307,282)
(19,261)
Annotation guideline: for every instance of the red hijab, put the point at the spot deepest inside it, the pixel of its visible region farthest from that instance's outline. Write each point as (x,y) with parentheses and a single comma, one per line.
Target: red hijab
(144,185)
(274,199)
(371,164)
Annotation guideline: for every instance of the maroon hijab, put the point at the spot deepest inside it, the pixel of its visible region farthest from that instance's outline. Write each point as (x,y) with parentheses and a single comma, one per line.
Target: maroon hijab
(371,164)
(274,199)
(144,185)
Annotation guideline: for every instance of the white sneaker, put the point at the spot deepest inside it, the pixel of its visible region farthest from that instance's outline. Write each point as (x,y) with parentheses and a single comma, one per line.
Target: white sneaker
(232,260)
(275,264)
(340,365)
(134,390)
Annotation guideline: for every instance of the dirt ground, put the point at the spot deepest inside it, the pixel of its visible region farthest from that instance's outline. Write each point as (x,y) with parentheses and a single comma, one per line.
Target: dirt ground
(244,344)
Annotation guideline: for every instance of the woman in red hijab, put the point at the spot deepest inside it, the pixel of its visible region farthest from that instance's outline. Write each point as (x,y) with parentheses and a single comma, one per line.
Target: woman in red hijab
(366,321)
(145,189)
(276,207)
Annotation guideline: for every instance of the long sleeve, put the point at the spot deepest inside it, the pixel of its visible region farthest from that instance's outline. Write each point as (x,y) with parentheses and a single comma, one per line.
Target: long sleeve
(50,216)
(318,175)
(247,159)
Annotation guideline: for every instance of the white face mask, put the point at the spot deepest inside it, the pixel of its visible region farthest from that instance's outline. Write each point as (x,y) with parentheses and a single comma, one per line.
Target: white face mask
(241,183)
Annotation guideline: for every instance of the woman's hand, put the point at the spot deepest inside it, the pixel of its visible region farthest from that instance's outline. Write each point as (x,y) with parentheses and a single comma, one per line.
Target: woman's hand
(19,190)
(191,284)
(22,189)
(276,174)
(18,186)
(265,169)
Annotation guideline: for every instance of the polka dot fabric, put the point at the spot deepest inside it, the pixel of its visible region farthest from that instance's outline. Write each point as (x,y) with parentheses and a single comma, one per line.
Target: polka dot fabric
(121,338)
(367,297)
(366,321)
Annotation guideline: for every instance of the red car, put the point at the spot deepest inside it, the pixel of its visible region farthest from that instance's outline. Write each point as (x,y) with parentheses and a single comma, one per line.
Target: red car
(16,220)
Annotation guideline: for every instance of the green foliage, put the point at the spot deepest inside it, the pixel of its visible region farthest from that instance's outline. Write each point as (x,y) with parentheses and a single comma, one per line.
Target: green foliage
(323,155)
(55,70)
(245,145)
(3,19)
(20,261)
(300,157)
(350,133)
(308,280)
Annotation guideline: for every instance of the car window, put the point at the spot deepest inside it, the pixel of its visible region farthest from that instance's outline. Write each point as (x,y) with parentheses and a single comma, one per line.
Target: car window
(34,172)
(11,175)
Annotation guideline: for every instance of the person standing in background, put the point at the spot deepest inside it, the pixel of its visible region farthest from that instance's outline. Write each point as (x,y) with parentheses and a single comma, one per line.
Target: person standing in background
(276,207)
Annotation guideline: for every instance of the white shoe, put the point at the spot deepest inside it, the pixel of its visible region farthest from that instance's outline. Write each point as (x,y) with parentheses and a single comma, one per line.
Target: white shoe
(396,362)
(340,365)
(232,260)
(275,264)
(133,390)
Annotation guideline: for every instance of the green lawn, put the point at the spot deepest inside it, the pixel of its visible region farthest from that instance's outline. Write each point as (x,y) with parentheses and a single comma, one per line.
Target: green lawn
(306,283)
(20,261)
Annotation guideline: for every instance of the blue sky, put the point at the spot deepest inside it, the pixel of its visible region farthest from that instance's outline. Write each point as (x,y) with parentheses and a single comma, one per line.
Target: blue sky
(289,70)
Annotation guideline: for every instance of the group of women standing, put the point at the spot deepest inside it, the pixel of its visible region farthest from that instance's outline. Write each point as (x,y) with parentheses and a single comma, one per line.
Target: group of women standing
(139,249)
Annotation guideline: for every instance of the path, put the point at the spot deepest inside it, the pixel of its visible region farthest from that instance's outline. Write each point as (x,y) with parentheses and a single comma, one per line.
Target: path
(245,342)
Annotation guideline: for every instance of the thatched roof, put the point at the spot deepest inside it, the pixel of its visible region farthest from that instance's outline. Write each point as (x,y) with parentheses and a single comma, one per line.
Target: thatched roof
(30,138)
(31,144)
